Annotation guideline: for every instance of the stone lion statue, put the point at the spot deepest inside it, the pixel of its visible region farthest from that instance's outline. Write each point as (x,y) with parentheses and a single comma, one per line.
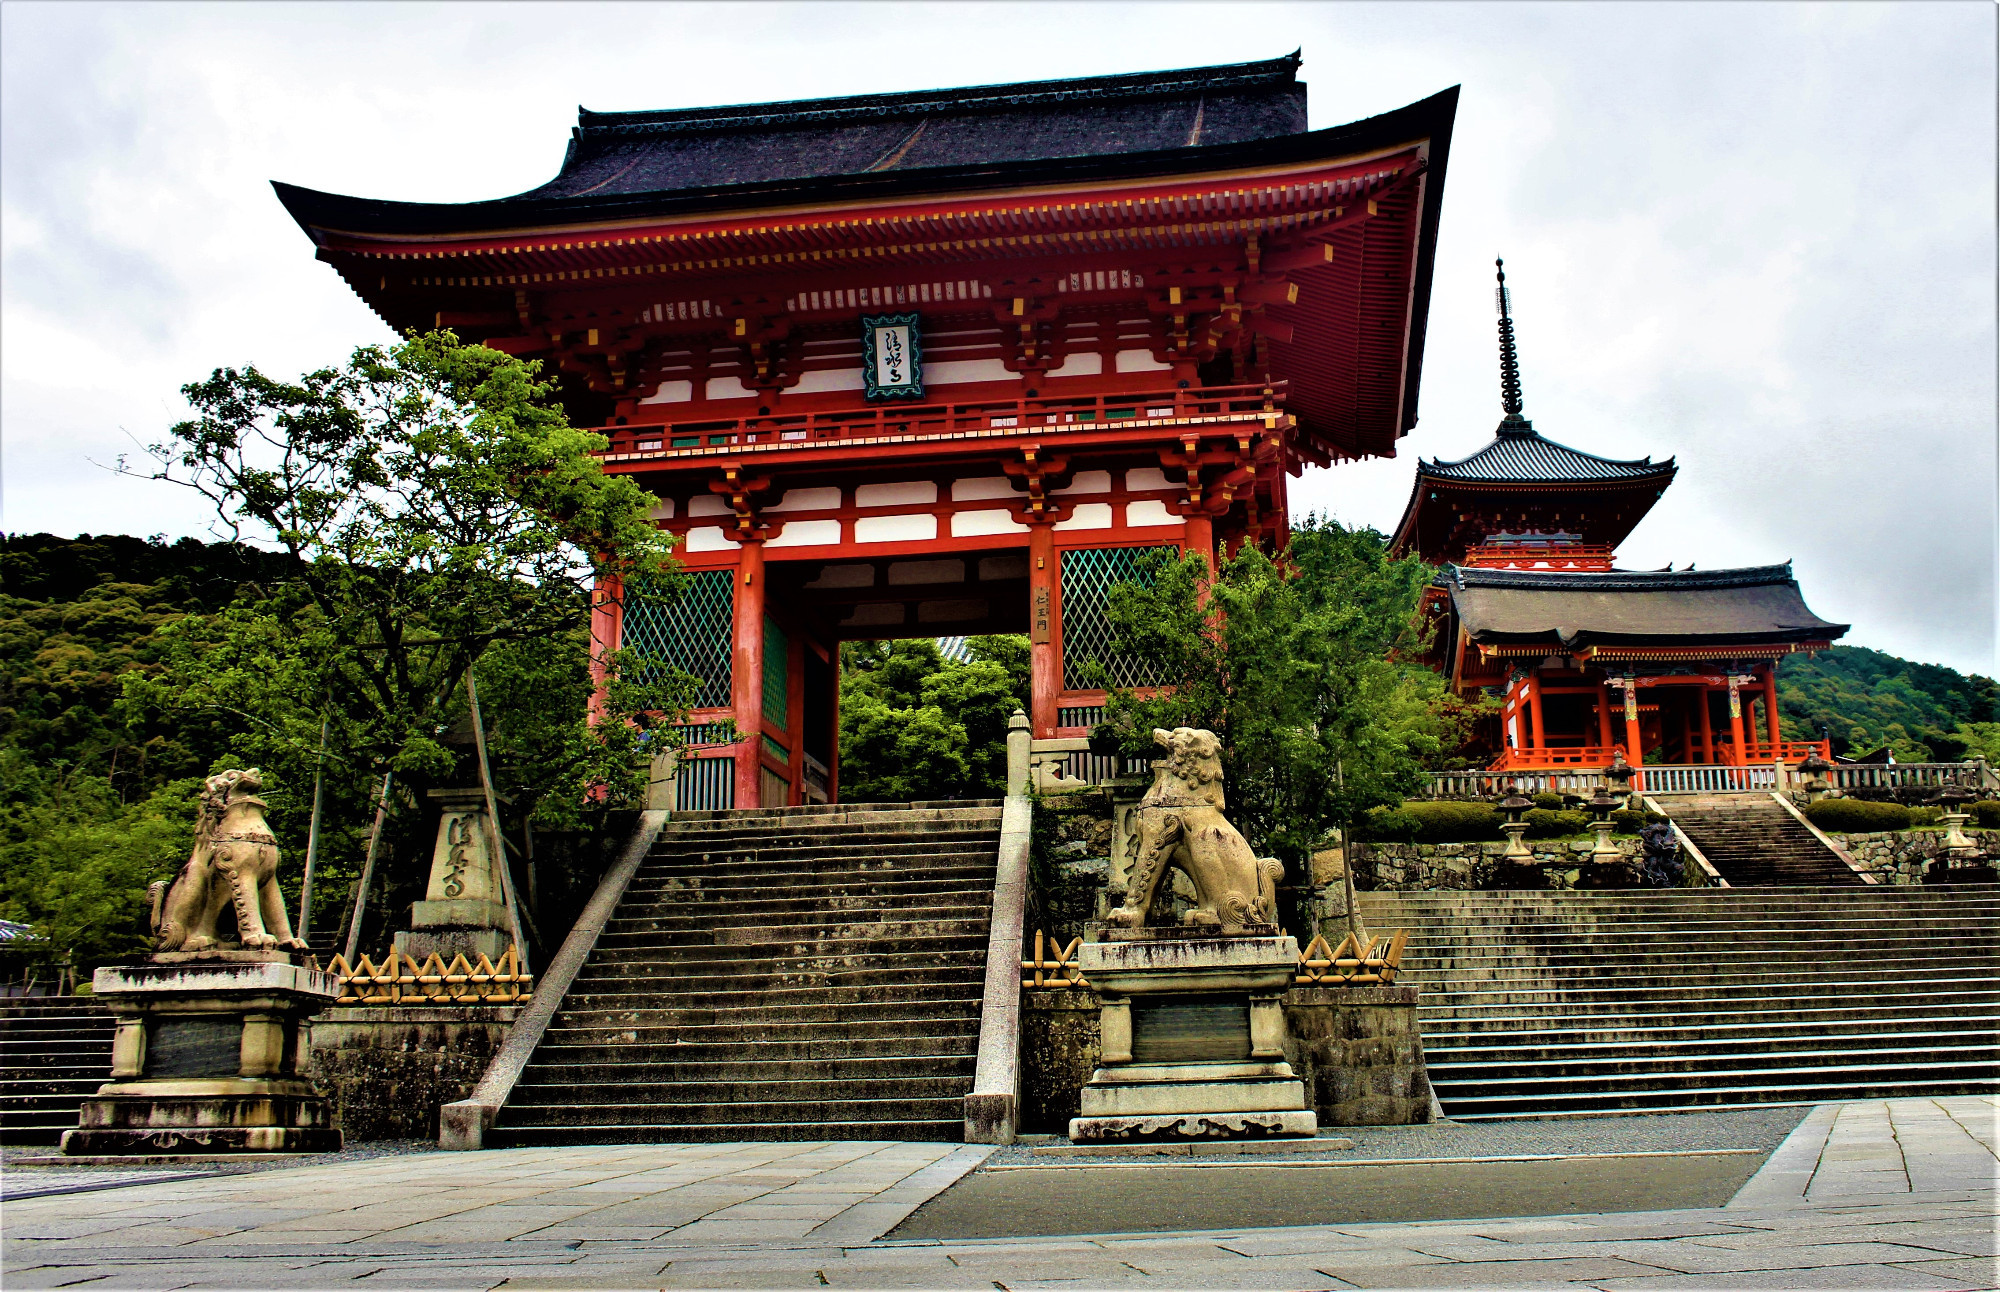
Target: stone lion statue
(1180,823)
(235,860)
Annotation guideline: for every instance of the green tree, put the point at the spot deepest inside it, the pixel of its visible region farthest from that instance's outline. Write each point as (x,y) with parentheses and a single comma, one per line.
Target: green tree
(1307,668)
(436,514)
(915,725)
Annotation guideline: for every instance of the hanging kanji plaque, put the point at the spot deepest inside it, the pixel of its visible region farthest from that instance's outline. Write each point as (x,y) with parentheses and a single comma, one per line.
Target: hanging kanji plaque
(892,360)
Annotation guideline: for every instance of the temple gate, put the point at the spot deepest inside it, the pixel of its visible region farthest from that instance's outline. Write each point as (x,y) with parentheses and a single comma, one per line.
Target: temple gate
(938,364)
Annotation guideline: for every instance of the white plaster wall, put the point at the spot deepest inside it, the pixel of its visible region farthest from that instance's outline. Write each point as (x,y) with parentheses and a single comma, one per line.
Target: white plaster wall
(823,498)
(894,529)
(890,495)
(980,488)
(971,524)
(806,533)
(709,538)
(1088,515)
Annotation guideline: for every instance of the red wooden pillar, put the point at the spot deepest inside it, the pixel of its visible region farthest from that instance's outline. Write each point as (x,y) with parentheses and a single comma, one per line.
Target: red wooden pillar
(1736,732)
(747,670)
(1603,714)
(1045,642)
(1540,740)
(1200,537)
(1771,705)
(1707,726)
(1635,743)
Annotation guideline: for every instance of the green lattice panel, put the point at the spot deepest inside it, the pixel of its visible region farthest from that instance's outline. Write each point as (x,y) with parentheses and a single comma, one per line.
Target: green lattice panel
(689,628)
(777,674)
(1087,578)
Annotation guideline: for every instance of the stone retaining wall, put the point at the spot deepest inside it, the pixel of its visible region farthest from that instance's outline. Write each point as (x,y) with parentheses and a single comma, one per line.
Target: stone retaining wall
(1357,1049)
(389,1068)
(1899,856)
(1416,867)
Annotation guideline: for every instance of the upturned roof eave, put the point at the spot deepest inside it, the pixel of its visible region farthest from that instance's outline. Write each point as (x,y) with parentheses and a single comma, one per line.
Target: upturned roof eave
(321,214)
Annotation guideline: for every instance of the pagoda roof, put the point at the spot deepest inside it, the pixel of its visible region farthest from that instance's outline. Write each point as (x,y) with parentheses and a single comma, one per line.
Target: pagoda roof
(635,165)
(1521,460)
(1520,455)
(1535,611)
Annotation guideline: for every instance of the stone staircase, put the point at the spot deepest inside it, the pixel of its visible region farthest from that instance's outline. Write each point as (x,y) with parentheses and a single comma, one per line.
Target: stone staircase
(795,973)
(1752,842)
(1572,1003)
(55,1051)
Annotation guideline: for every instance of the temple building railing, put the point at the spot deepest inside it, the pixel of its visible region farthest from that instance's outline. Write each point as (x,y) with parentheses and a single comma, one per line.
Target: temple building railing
(1712,778)
(666,440)
(1973,775)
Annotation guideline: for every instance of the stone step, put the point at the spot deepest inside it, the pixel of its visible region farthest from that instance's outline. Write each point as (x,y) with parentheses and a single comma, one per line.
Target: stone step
(943,1129)
(560,1092)
(603,1063)
(1528,1065)
(700,1042)
(1721,1089)
(1759,1039)
(704,972)
(665,1113)
(912,924)
(777,975)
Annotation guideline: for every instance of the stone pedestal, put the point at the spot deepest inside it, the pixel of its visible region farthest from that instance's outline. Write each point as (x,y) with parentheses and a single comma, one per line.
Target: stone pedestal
(1193,1037)
(464,911)
(206,1058)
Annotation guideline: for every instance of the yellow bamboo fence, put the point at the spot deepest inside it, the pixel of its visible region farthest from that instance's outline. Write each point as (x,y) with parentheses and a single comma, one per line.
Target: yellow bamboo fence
(401,980)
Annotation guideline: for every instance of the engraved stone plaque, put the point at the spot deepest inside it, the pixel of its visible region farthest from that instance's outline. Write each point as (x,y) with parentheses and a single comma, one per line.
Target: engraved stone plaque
(194,1046)
(1191,1029)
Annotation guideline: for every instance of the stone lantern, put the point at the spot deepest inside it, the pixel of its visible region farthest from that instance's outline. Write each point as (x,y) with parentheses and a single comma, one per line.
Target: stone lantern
(1813,773)
(1605,864)
(1619,777)
(1514,805)
(1958,849)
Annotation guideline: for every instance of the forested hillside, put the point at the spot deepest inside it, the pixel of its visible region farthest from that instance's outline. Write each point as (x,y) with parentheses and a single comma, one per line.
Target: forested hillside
(1864,699)
(95,798)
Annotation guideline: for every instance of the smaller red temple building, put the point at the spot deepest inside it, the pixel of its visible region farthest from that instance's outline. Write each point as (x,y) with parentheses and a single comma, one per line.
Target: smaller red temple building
(1671,666)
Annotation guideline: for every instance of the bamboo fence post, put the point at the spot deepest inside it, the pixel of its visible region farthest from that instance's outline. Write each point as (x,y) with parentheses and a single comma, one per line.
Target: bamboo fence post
(493,840)
(367,874)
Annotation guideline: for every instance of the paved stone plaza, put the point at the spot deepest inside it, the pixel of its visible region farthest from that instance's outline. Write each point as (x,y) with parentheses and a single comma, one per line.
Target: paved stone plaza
(1896,1194)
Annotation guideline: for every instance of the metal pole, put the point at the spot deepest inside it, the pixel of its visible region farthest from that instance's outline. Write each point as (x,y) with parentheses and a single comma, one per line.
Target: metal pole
(493,842)
(312,836)
(367,875)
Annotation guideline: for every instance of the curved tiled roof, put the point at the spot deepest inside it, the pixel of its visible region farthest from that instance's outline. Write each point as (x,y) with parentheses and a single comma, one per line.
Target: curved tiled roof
(622,153)
(1519,455)
(1574,610)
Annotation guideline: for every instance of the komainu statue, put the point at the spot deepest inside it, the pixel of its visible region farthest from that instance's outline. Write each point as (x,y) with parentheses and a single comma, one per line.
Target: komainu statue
(1180,823)
(235,860)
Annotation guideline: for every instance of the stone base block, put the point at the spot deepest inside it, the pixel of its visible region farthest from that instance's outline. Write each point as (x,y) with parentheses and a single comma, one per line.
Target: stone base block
(1193,1126)
(1114,1093)
(127,1125)
(211,1143)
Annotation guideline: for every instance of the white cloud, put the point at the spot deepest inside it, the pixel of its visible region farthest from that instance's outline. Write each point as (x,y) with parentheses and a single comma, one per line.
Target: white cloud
(1756,237)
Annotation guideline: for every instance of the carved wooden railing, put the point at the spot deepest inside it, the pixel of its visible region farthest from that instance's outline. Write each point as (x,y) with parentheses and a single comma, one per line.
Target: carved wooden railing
(931,421)
(401,980)
(1352,963)
(1059,972)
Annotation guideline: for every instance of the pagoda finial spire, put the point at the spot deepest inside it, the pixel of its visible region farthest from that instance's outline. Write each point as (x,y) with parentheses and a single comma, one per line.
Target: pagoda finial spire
(1510,364)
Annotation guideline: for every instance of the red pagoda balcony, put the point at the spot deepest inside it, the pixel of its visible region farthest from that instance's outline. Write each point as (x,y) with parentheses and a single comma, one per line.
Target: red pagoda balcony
(978,420)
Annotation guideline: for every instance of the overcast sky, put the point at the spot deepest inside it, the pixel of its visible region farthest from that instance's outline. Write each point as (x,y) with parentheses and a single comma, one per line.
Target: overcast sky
(1756,238)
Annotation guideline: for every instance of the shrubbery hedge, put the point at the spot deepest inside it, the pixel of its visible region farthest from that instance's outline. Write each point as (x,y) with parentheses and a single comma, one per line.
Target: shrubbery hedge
(1857,816)
(1442,821)
(1986,812)
(1544,824)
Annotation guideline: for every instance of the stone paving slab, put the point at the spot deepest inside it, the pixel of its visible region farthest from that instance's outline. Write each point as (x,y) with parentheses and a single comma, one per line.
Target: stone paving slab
(1886,1195)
